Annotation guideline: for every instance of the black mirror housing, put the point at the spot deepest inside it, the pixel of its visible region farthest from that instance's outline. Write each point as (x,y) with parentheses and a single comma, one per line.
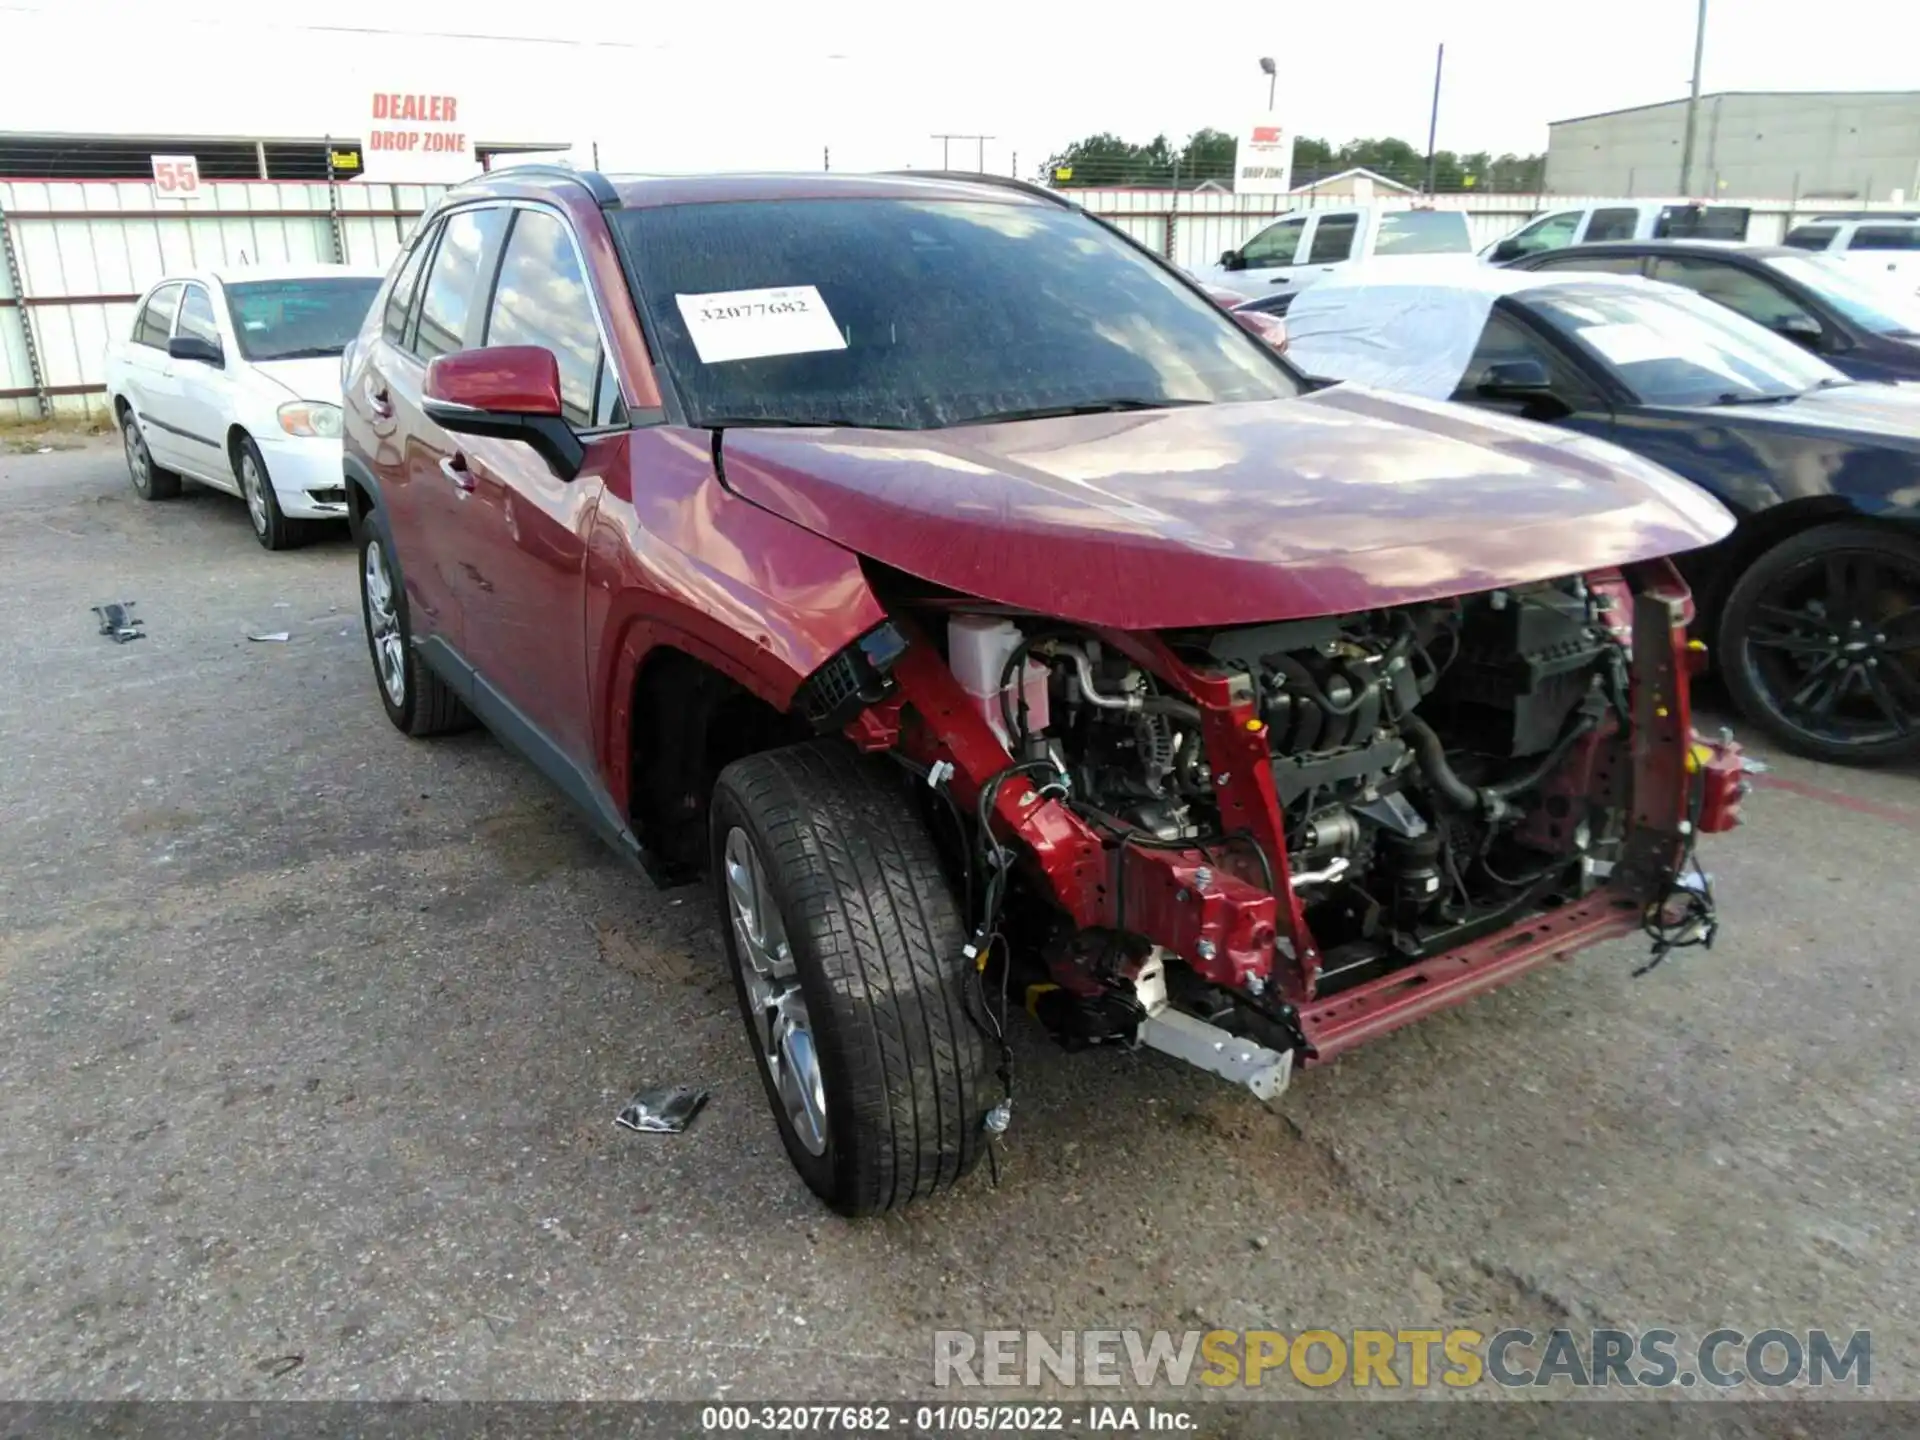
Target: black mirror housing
(550,437)
(192,347)
(1230,260)
(1508,249)
(1515,379)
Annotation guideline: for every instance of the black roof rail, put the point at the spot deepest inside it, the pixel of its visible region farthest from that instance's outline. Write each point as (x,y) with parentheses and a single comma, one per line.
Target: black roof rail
(598,186)
(977,177)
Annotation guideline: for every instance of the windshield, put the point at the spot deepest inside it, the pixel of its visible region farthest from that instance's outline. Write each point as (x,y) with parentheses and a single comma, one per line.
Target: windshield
(1883,310)
(1671,347)
(1423,232)
(294,319)
(911,314)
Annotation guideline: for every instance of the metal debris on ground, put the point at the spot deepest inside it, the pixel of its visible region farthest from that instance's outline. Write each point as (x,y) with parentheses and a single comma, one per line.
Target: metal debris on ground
(276,637)
(117,622)
(663,1110)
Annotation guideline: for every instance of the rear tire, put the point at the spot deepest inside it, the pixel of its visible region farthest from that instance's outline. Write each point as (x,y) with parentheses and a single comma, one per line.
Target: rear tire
(150,482)
(866,937)
(416,699)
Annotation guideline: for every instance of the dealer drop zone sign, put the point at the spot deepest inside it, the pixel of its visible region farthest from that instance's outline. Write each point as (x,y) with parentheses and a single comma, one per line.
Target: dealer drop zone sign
(418,137)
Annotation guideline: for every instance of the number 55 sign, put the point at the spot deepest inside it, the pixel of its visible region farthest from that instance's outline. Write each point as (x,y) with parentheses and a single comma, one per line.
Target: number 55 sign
(176,177)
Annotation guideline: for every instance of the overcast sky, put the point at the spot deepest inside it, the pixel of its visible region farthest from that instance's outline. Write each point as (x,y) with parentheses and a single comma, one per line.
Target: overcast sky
(768,82)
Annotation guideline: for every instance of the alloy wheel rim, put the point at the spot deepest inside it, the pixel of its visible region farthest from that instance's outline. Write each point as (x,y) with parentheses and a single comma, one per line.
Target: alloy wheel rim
(255,492)
(1833,647)
(383,624)
(138,464)
(781,1026)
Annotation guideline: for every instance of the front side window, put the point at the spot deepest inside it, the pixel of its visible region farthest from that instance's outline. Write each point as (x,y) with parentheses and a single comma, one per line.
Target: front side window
(1879,308)
(1810,237)
(1275,245)
(1503,342)
(196,316)
(1885,237)
(1551,232)
(541,299)
(1332,239)
(299,319)
(393,324)
(1615,223)
(1739,290)
(1423,232)
(1679,349)
(917,314)
(156,317)
(470,238)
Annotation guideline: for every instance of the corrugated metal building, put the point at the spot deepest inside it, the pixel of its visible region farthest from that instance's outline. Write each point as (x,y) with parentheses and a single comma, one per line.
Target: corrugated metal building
(1819,145)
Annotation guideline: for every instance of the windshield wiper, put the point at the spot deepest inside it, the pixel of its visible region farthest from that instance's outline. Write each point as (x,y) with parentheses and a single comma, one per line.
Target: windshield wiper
(312,352)
(1090,407)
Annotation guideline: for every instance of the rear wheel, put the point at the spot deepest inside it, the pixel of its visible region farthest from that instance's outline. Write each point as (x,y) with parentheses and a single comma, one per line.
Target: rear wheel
(846,952)
(150,482)
(1820,643)
(416,699)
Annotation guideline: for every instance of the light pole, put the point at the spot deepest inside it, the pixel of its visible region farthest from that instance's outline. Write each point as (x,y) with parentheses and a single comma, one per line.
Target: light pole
(1267,69)
(1693,104)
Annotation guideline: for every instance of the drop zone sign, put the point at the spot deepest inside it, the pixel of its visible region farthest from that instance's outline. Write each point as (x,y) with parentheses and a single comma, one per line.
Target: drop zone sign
(417,137)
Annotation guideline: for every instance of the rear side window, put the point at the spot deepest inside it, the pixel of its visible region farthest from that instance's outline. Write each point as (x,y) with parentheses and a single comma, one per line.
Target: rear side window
(1739,290)
(1613,264)
(467,246)
(1886,237)
(400,299)
(156,317)
(1809,237)
(1614,224)
(1332,239)
(1702,222)
(541,299)
(1423,232)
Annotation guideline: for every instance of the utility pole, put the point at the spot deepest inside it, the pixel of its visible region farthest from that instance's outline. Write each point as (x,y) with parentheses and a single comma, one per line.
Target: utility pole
(980,160)
(826,158)
(1693,104)
(1433,120)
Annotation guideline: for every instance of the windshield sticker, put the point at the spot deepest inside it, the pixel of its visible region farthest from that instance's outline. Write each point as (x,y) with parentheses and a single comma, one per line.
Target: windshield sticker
(752,324)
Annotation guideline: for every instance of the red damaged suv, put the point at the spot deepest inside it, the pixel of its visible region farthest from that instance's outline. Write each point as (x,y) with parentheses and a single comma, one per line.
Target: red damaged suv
(1001,627)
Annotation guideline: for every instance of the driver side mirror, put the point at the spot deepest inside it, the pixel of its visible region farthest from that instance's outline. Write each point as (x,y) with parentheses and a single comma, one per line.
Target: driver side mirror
(194,347)
(1508,249)
(509,392)
(1801,329)
(1516,380)
(1231,260)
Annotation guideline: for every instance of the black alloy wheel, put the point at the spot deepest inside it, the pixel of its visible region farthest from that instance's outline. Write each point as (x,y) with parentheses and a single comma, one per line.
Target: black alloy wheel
(1820,643)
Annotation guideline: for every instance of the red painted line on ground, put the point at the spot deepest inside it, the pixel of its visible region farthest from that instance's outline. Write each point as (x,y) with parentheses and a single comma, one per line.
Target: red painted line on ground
(1897,814)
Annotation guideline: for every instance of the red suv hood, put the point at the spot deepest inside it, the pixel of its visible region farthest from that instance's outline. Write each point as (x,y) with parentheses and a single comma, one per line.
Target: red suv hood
(1343,500)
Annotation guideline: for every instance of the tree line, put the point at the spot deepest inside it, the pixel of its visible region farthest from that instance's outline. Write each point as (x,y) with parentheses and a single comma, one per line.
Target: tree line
(1106,159)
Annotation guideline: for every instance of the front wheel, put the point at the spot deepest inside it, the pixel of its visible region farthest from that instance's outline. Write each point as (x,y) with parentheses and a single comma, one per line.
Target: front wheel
(1820,643)
(845,945)
(271,525)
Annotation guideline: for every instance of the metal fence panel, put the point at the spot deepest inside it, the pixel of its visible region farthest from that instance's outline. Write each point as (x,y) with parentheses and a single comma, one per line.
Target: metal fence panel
(87,250)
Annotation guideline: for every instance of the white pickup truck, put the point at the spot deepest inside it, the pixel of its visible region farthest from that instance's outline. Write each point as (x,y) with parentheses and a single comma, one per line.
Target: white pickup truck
(1301,248)
(1622,220)
(1883,247)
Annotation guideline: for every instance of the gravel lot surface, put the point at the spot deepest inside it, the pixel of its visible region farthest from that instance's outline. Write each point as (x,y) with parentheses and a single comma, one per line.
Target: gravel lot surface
(311,1039)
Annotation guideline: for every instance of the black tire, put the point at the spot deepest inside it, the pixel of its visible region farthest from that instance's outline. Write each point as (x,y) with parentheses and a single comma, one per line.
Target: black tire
(150,481)
(875,939)
(271,527)
(1837,600)
(426,705)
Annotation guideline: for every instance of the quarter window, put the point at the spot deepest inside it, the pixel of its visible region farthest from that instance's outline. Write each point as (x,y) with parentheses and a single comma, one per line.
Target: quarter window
(541,299)
(466,244)
(156,317)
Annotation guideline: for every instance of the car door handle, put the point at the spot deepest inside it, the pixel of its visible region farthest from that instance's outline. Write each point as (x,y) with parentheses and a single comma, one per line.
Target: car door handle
(378,400)
(454,467)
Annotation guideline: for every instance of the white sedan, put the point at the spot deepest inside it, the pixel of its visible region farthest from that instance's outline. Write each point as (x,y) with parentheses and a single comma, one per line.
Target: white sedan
(231,378)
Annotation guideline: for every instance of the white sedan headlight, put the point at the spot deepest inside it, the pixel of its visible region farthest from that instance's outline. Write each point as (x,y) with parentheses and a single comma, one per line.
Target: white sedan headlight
(310,417)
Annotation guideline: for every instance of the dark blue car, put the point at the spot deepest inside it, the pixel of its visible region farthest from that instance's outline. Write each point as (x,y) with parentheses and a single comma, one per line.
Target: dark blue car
(1813,603)
(1868,331)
